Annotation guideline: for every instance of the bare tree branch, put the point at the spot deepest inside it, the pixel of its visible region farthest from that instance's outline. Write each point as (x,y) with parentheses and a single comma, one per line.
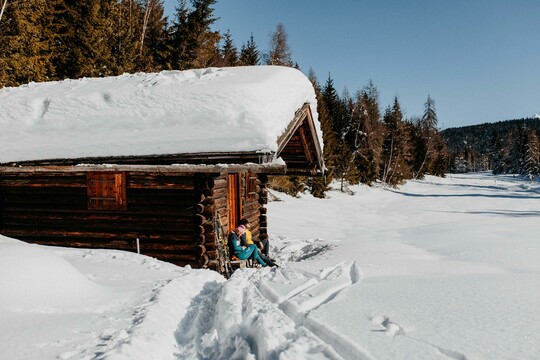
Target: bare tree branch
(2,11)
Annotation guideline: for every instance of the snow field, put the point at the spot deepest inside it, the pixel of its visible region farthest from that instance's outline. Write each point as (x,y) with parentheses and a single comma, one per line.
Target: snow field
(438,269)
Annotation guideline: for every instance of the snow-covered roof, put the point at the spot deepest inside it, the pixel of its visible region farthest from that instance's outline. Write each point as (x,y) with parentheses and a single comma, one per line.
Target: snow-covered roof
(171,112)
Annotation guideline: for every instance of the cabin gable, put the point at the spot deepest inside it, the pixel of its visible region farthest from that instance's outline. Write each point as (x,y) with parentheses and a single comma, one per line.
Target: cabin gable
(299,145)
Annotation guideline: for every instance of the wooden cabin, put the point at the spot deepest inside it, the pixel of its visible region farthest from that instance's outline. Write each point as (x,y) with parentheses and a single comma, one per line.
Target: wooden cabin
(162,205)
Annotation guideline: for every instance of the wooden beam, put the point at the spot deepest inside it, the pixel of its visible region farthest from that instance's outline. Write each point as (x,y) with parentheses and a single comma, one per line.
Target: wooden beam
(305,145)
(181,169)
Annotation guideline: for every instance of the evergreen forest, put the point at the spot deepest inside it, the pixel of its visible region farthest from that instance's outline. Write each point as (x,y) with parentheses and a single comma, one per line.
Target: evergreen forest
(504,147)
(364,141)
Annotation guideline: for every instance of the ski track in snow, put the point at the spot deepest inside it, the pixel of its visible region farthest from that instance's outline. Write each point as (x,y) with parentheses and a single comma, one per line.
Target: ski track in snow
(265,314)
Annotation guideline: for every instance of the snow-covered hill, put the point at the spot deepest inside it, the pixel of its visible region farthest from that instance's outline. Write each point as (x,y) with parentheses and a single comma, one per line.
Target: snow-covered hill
(439,269)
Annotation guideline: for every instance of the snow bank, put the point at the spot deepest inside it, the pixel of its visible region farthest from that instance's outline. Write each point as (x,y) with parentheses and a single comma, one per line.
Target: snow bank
(31,275)
(206,110)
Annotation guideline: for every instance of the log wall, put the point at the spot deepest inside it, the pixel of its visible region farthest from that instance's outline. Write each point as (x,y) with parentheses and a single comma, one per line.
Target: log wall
(172,215)
(167,213)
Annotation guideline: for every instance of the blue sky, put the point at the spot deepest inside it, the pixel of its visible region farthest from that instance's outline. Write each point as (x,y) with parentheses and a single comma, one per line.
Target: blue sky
(479,60)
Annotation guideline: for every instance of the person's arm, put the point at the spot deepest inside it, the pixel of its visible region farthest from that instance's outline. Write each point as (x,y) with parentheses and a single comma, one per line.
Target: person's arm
(235,242)
(243,240)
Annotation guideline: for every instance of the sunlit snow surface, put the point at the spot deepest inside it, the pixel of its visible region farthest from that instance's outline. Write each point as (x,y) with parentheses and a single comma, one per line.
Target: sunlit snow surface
(438,269)
(206,110)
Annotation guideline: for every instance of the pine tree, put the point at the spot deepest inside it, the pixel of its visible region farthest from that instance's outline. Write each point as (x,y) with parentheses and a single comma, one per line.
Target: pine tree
(424,132)
(280,53)
(192,44)
(396,149)
(369,136)
(440,163)
(249,54)
(531,167)
(25,43)
(429,119)
(83,29)
(516,153)
(124,39)
(152,36)
(335,112)
(229,51)
(374,129)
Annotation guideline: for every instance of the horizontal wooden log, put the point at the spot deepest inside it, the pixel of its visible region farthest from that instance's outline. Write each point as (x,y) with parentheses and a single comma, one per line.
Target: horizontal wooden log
(35,183)
(208,227)
(89,216)
(203,260)
(199,230)
(116,226)
(94,235)
(220,183)
(251,207)
(43,197)
(200,250)
(156,194)
(156,181)
(220,203)
(128,245)
(132,185)
(71,226)
(207,201)
(156,212)
(209,238)
(198,208)
(204,182)
(217,193)
(212,255)
(209,211)
(211,247)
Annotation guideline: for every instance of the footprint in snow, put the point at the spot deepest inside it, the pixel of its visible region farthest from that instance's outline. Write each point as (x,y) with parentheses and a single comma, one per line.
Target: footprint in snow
(390,328)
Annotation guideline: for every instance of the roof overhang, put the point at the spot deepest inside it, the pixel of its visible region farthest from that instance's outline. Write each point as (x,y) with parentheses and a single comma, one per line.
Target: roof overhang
(299,145)
(162,169)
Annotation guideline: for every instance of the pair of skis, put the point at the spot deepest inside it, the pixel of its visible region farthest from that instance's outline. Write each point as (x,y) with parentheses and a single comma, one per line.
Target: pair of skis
(223,249)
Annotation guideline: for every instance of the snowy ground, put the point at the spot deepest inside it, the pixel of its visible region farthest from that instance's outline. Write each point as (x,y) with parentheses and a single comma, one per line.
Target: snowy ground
(438,269)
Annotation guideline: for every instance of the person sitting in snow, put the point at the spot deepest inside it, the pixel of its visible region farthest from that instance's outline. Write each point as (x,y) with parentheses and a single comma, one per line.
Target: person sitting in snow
(243,252)
(247,239)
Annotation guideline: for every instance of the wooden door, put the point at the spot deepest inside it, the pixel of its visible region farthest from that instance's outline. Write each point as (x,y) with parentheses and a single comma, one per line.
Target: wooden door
(233,200)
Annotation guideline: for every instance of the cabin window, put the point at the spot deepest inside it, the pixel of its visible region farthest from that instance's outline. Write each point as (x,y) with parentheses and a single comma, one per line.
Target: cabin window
(251,185)
(107,191)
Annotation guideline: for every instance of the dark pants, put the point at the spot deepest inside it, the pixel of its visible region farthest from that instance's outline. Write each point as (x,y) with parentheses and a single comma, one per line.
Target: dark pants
(265,244)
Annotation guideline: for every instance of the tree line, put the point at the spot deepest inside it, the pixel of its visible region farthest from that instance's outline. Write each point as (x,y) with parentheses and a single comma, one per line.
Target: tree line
(364,145)
(44,40)
(504,147)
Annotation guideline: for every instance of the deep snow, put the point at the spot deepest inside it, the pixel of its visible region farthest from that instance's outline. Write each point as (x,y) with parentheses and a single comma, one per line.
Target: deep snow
(204,110)
(439,269)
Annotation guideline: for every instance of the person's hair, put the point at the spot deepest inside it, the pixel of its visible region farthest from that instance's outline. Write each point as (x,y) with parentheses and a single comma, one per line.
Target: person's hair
(243,222)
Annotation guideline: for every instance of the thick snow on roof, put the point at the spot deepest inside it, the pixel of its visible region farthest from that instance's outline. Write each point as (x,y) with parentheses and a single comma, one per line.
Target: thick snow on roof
(205,110)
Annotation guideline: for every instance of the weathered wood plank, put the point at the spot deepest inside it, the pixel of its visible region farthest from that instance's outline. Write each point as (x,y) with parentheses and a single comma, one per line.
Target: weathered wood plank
(94,235)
